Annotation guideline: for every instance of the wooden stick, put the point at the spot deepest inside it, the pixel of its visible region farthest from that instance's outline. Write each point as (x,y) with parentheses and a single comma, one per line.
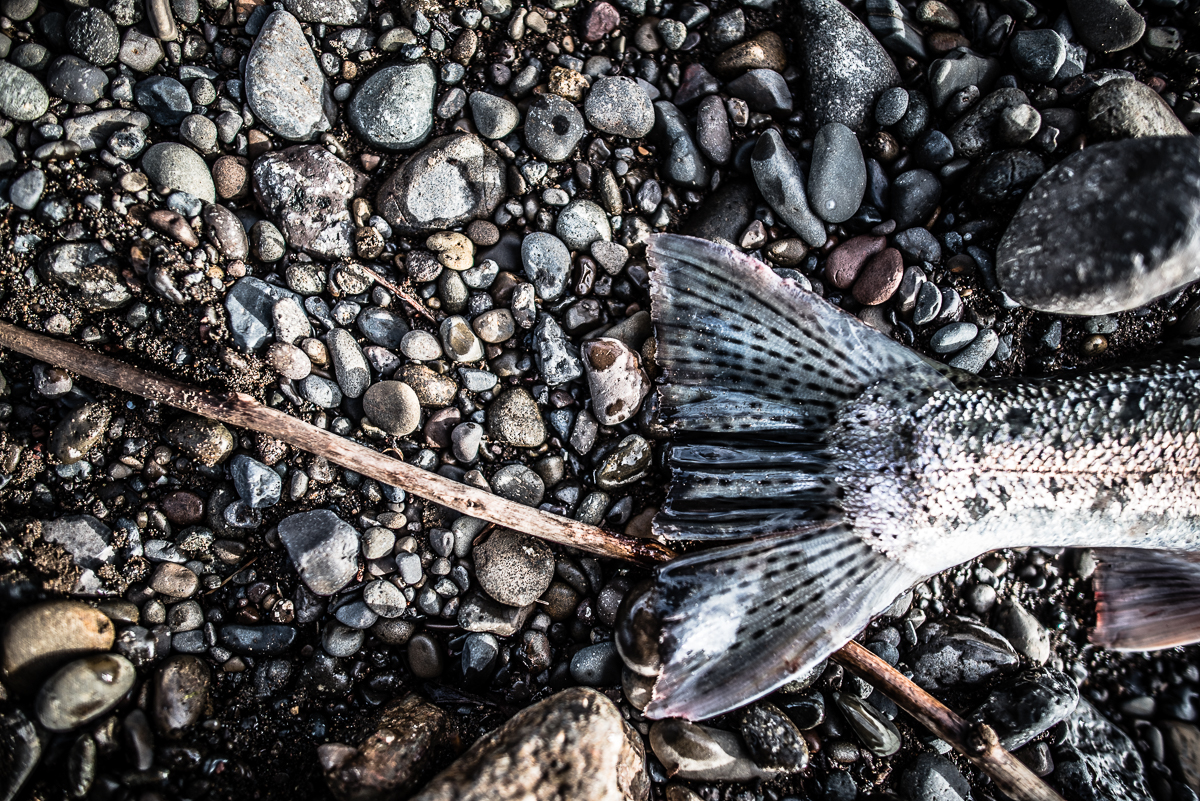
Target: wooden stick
(976,741)
(241,410)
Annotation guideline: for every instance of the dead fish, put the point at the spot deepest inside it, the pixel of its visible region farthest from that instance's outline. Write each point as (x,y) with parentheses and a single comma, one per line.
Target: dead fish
(837,468)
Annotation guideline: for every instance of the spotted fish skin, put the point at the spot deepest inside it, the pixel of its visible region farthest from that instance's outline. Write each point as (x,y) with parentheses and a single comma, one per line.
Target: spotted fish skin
(1097,459)
(832,469)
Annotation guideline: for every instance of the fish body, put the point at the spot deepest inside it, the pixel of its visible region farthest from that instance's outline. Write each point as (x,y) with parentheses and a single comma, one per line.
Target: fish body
(833,469)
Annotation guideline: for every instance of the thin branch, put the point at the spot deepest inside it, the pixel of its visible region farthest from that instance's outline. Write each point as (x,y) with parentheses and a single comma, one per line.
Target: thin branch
(241,410)
(977,742)
(403,293)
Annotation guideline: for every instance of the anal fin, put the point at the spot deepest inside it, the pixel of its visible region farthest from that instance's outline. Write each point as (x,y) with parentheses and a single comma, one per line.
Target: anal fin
(1146,599)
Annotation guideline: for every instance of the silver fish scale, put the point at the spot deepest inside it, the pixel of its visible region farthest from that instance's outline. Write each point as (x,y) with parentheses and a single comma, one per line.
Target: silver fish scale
(1104,459)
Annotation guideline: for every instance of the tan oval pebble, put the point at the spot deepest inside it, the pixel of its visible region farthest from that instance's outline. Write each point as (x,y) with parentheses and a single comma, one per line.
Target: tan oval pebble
(289,361)
(764,51)
(494,326)
(393,406)
(432,389)
(174,580)
(847,259)
(173,225)
(231,177)
(453,250)
(40,638)
(84,690)
(880,278)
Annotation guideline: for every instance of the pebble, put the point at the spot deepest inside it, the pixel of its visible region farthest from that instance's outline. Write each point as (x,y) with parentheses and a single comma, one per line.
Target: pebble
(1027,705)
(712,130)
(495,117)
(628,462)
(880,278)
(92,35)
(616,380)
(1112,212)
(547,263)
(891,106)
(79,432)
(763,90)
(618,105)
(972,135)
(181,686)
(1038,54)
(329,12)
(1126,108)
(425,657)
(846,261)
(878,734)
(433,389)
(513,568)
(393,406)
(682,163)
(553,127)
(266,640)
(38,639)
(174,580)
(285,87)
(323,548)
(914,196)
(75,81)
(555,354)
(494,326)
(694,752)
(23,98)
(307,191)
(451,181)
(952,337)
(764,50)
(207,441)
(838,177)
(225,231)
(1097,760)
(846,67)
(1107,26)
(1029,637)
(584,750)
(934,778)
(165,99)
(87,540)
(772,739)
(513,419)
(597,665)
(518,483)
(179,167)
(959,652)
(781,182)
(83,691)
(459,341)
(393,109)
(258,485)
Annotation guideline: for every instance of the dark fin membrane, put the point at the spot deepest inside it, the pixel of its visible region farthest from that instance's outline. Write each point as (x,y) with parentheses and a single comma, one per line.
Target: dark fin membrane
(755,371)
(1146,599)
(740,620)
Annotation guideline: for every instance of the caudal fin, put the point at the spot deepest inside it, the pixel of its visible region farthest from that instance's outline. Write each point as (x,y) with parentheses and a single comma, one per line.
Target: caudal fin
(1146,599)
(756,371)
(740,620)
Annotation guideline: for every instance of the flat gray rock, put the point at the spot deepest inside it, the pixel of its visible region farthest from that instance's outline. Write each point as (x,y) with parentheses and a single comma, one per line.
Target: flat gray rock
(285,86)
(1108,229)
(451,181)
(781,182)
(323,547)
(838,177)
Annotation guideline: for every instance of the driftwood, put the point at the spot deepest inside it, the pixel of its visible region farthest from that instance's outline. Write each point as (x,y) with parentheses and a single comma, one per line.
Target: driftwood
(977,742)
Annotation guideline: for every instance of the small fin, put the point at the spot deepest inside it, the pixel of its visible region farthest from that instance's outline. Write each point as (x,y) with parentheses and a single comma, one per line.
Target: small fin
(740,620)
(1146,599)
(746,350)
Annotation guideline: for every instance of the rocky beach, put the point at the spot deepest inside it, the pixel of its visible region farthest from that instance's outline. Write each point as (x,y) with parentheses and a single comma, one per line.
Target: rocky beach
(422,226)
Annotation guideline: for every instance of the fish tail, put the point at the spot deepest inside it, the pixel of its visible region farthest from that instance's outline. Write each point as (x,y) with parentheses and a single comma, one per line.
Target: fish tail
(756,371)
(1146,599)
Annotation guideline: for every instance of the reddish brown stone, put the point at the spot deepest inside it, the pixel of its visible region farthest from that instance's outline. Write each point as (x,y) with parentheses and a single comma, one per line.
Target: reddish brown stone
(602,19)
(183,508)
(880,278)
(439,426)
(945,41)
(848,258)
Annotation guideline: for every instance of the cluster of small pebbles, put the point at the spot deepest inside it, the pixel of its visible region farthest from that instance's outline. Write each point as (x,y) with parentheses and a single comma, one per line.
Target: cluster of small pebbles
(423,227)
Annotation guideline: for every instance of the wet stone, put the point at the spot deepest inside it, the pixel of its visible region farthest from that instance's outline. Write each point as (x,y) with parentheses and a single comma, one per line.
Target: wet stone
(627,463)
(180,694)
(516,482)
(459,341)
(615,380)
(1097,760)
(934,778)
(1027,705)
(1120,214)
(349,363)
(693,752)
(479,613)
(323,547)
(781,182)
(597,665)
(22,96)
(959,652)
(513,568)
(1027,635)
(258,485)
(1038,54)
(772,739)
(838,178)
(1106,25)
(268,640)
(683,163)
(878,734)
(619,105)
(581,223)
(83,691)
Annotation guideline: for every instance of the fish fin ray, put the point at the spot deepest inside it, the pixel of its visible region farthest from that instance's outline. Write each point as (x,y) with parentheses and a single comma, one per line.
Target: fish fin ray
(784,602)
(731,332)
(1146,599)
